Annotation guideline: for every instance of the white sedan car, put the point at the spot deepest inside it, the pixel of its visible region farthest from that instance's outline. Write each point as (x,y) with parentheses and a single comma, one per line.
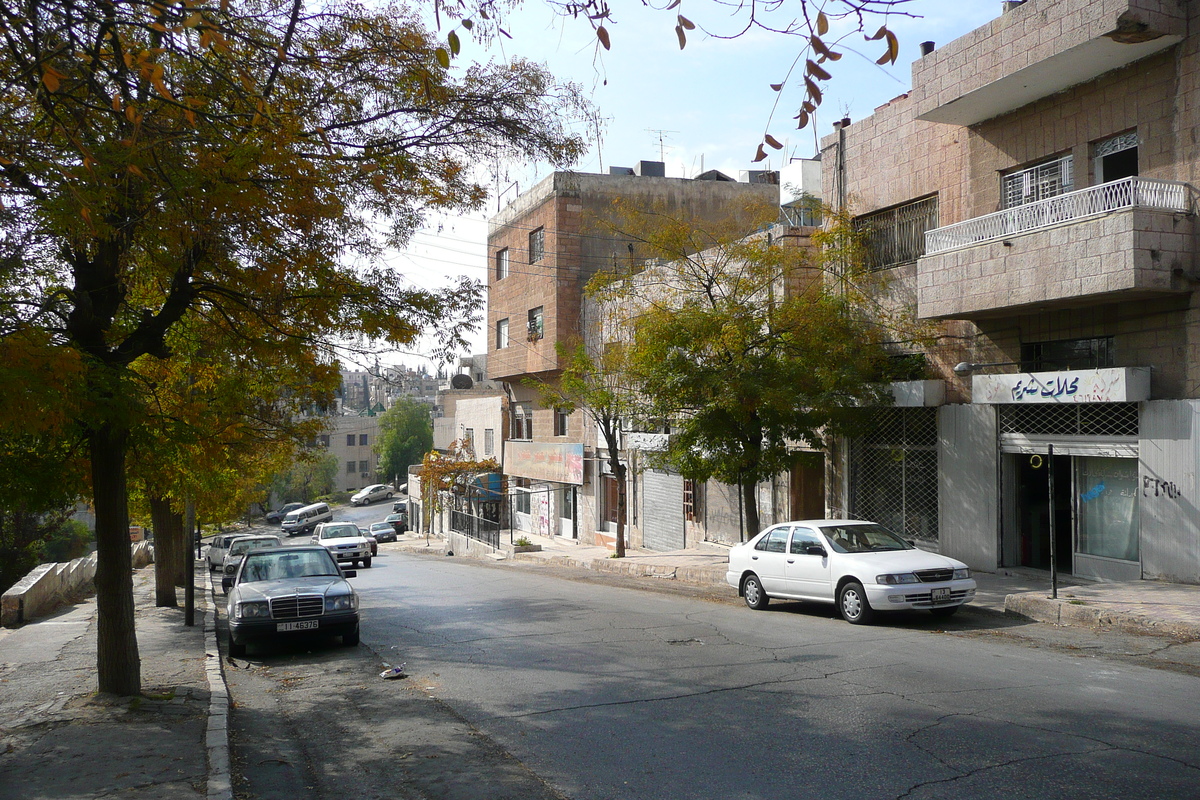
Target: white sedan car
(861,566)
(369,494)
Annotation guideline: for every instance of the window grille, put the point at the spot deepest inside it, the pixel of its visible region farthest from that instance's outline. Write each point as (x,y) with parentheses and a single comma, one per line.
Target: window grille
(1049,179)
(1076,419)
(897,235)
(489,441)
(893,473)
(1117,144)
(350,467)
(537,245)
(536,324)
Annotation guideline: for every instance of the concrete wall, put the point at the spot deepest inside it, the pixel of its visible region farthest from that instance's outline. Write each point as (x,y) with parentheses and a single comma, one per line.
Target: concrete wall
(50,586)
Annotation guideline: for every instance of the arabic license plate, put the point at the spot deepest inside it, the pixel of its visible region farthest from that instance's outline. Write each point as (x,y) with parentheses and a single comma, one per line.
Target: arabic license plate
(303,625)
(940,595)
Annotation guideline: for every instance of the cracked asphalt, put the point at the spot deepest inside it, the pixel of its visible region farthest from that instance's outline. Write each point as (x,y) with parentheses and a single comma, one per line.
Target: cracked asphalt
(544,683)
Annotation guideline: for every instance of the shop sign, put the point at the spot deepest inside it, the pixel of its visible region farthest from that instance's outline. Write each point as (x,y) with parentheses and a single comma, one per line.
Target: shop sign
(561,463)
(1115,385)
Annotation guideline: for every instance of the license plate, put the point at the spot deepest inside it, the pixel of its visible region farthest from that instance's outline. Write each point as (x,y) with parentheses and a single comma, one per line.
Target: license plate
(303,625)
(940,595)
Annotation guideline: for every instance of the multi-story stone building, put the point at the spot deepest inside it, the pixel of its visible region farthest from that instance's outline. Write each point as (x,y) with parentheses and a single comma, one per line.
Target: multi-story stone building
(1034,193)
(543,248)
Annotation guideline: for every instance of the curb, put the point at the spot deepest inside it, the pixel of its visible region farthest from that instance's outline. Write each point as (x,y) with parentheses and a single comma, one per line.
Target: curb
(1085,614)
(220,781)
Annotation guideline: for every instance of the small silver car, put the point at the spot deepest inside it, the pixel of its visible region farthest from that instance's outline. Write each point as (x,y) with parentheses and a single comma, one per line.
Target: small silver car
(369,494)
(216,549)
(287,592)
(344,541)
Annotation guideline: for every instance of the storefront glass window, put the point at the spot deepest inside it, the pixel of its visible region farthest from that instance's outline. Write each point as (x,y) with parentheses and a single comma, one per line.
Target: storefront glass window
(1108,518)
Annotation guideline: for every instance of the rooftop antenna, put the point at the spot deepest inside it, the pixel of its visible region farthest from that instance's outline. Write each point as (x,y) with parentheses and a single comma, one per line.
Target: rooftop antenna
(662,147)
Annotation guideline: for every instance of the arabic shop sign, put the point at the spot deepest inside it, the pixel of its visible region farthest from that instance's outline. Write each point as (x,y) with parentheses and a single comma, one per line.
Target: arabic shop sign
(1117,385)
(562,463)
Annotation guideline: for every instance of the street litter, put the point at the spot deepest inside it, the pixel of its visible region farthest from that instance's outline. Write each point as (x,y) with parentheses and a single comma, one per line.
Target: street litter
(393,673)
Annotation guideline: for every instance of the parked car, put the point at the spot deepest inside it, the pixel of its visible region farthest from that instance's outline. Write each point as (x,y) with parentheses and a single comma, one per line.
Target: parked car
(276,517)
(344,541)
(369,494)
(371,540)
(238,547)
(216,549)
(860,566)
(398,521)
(383,531)
(305,520)
(284,592)
(399,505)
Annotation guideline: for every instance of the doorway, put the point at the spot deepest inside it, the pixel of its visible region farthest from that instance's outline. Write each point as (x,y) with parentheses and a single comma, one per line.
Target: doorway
(1034,506)
(807,486)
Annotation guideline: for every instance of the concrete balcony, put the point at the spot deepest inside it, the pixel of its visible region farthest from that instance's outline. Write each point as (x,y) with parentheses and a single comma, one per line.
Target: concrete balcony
(1037,49)
(1125,240)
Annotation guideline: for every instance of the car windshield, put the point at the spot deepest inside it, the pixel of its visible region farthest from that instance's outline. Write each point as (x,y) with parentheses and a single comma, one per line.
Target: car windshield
(265,565)
(246,545)
(339,531)
(380,526)
(863,538)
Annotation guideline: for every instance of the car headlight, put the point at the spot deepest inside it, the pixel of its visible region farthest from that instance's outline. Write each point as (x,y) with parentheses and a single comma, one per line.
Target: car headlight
(256,609)
(897,579)
(341,602)
(960,574)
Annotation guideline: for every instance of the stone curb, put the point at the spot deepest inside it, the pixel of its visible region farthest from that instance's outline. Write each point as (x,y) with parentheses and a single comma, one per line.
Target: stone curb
(220,781)
(1085,614)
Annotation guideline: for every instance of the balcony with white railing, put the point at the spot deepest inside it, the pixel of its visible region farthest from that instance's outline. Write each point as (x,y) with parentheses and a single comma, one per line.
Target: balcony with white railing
(1121,240)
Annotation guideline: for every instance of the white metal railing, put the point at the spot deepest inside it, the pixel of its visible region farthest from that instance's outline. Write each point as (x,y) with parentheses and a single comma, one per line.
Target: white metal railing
(1069,207)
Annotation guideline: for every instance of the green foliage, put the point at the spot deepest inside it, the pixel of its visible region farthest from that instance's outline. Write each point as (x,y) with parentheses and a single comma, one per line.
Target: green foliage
(22,535)
(405,436)
(68,541)
(307,480)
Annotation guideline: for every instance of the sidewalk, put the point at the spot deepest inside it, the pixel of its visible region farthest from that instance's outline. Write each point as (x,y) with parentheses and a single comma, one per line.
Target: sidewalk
(59,738)
(1152,607)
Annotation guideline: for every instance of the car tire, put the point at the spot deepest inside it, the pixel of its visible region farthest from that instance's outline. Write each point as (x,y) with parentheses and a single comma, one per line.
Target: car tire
(852,603)
(350,639)
(752,590)
(236,649)
(366,562)
(944,612)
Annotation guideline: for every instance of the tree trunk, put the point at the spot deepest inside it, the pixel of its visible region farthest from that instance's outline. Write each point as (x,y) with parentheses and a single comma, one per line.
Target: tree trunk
(750,503)
(619,472)
(117,663)
(166,553)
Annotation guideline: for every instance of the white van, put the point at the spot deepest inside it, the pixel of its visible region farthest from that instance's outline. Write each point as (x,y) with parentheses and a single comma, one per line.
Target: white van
(304,520)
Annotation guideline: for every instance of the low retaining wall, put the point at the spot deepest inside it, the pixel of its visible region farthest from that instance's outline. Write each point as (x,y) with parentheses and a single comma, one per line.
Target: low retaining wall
(50,586)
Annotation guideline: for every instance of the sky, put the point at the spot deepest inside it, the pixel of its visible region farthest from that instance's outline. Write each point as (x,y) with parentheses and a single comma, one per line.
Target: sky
(704,107)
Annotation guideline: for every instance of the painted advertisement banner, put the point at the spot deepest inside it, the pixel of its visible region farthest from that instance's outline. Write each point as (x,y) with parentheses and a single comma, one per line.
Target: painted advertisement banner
(1115,385)
(562,463)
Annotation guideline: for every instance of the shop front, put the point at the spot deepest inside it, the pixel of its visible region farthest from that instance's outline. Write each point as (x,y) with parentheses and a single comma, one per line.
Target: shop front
(1070,469)
(544,480)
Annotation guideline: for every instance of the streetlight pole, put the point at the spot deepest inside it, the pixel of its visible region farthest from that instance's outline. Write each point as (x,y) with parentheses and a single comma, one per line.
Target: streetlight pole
(1053,514)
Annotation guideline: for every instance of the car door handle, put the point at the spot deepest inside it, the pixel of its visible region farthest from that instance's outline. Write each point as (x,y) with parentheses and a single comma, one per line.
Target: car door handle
(791,561)
(754,558)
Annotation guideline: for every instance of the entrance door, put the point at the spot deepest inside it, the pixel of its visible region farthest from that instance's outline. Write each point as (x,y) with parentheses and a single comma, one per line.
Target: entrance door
(1034,508)
(808,486)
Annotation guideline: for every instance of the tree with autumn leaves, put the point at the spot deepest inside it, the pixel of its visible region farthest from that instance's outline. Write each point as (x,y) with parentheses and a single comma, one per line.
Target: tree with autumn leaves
(172,172)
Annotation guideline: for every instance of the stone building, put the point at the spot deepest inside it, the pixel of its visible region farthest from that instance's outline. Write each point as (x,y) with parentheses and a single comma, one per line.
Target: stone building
(1034,194)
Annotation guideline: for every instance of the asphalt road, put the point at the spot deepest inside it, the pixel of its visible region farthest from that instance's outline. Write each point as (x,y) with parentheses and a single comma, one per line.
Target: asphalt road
(527,683)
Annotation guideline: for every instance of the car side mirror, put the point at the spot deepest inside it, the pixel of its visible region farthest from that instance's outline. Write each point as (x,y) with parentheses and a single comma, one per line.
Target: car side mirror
(815,550)
(349,573)
(226,583)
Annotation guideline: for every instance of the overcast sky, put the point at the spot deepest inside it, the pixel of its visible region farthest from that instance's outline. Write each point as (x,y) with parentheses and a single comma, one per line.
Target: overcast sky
(706,106)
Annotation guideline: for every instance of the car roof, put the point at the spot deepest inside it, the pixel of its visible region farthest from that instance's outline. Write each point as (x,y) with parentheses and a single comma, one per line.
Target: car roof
(823,523)
(294,548)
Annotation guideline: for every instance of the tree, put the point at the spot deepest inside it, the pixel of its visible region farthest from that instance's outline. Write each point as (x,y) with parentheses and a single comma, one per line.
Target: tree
(312,475)
(229,166)
(750,347)
(595,381)
(405,436)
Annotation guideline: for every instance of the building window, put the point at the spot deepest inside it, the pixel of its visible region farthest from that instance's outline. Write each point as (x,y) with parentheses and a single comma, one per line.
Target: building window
(537,245)
(522,422)
(1048,179)
(521,496)
(502,264)
(1094,353)
(325,440)
(536,324)
(1116,158)
(561,418)
(469,437)
(362,440)
(350,465)
(489,441)
(349,440)
(364,466)
(568,502)
(693,500)
(502,334)
(897,235)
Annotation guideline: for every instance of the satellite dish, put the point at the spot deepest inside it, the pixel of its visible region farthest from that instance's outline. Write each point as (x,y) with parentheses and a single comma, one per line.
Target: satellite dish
(462,381)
